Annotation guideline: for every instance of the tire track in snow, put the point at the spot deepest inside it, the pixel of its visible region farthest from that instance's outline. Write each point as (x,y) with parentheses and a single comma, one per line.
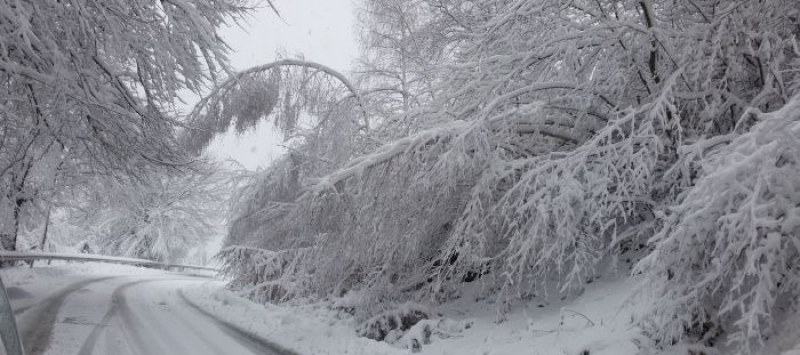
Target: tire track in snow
(117,301)
(68,289)
(210,343)
(129,322)
(144,328)
(253,342)
(39,328)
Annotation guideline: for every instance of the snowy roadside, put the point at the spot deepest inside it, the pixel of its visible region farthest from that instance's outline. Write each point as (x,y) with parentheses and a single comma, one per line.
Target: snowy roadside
(597,322)
(305,330)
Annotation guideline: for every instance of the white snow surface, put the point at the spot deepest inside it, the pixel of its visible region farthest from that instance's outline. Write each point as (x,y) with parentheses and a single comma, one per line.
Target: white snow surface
(96,309)
(303,329)
(599,321)
(466,326)
(35,284)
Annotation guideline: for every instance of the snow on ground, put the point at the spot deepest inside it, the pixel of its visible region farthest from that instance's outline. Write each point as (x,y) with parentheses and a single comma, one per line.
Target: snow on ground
(28,286)
(304,330)
(99,309)
(597,322)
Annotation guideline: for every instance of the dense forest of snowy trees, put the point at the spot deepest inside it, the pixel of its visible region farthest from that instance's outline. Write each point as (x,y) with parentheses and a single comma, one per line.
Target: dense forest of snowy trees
(88,109)
(528,146)
(533,146)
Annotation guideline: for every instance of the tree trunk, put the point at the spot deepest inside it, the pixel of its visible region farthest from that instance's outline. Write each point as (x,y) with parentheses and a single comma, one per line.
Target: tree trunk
(44,233)
(8,240)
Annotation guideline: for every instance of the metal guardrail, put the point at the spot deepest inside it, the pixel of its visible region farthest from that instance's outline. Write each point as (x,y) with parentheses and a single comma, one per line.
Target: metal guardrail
(34,256)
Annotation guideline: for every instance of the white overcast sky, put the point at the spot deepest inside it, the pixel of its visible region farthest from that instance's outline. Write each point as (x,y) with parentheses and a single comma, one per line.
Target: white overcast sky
(321,30)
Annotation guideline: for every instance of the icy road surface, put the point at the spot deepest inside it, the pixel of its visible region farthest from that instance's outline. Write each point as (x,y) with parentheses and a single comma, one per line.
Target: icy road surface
(123,315)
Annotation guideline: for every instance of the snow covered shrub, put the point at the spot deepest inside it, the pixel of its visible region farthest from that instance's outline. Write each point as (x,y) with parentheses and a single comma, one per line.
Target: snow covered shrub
(391,325)
(424,332)
(727,257)
(410,326)
(259,274)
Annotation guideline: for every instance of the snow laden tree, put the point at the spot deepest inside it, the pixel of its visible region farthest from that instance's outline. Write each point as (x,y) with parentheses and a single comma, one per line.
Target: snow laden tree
(300,96)
(162,217)
(565,135)
(318,109)
(726,256)
(402,48)
(96,82)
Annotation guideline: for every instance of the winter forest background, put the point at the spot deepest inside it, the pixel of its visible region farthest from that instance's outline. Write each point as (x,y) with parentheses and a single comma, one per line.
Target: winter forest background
(529,147)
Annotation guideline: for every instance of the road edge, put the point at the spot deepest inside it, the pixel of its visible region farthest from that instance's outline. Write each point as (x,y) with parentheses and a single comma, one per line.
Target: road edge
(243,332)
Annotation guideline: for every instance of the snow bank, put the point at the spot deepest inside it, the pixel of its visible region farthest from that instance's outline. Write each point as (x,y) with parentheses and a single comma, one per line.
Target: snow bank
(305,330)
(597,322)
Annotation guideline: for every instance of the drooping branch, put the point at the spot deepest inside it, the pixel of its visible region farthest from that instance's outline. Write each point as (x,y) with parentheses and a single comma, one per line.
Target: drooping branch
(227,85)
(384,154)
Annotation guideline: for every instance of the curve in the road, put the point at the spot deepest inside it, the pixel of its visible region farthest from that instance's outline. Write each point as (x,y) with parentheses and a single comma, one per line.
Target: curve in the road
(42,317)
(130,323)
(36,337)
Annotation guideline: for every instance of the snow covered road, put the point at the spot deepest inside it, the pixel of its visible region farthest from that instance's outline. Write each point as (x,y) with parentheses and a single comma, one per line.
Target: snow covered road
(126,314)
